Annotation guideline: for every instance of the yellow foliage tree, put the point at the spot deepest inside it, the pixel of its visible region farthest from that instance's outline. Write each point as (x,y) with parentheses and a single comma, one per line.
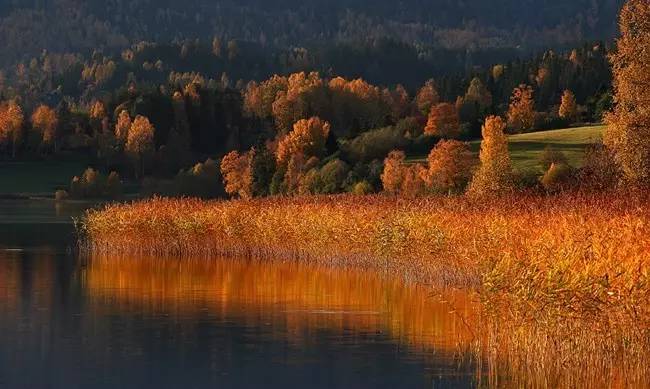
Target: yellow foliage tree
(427,97)
(140,142)
(45,121)
(521,114)
(308,137)
(628,134)
(494,175)
(237,173)
(11,125)
(443,121)
(569,107)
(478,93)
(123,126)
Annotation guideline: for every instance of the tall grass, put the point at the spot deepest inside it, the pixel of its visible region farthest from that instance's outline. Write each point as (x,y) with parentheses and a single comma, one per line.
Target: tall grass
(564,280)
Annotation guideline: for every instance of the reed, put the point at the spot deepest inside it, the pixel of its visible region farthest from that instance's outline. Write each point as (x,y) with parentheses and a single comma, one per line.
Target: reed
(563,280)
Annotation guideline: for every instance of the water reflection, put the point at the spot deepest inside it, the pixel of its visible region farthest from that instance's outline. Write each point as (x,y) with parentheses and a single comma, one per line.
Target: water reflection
(134,322)
(307,298)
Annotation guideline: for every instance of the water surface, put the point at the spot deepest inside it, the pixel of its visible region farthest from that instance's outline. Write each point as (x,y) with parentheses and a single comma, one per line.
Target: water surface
(95,321)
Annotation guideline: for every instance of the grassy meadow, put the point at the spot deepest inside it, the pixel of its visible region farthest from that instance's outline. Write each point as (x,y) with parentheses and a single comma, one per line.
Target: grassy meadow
(526,149)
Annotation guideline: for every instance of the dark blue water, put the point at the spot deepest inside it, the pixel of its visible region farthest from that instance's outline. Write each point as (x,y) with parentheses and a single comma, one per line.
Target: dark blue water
(83,322)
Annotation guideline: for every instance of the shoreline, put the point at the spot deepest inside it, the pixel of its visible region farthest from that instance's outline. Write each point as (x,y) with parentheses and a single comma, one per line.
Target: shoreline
(565,278)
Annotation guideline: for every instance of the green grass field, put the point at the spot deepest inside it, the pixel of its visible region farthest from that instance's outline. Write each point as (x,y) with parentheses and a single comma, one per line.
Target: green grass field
(526,149)
(38,177)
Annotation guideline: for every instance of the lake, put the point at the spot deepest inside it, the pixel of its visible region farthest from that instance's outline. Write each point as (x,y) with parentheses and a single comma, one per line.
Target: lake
(79,321)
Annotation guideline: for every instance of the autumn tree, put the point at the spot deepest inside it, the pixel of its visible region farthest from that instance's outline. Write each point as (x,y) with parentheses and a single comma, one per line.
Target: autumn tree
(450,166)
(427,97)
(393,174)
(11,125)
(237,173)
(628,134)
(521,114)
(291,104)
(308,137)
(568,107)
(123,126)
(479,94)
(98,115)
(399,102)
(140,143)
(443,121)
(494,175)
(413,183)
(44,120)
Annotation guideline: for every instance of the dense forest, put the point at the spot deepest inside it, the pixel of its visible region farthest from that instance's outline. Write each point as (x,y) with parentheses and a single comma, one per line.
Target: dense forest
(29,26)
(325,100)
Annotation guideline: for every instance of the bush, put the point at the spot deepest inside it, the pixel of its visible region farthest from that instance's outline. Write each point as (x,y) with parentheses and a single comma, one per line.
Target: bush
(333,176)
(61,195)
(374,144)
(94,185)
(362,188)
(551,156)
(599,170)
(559,176)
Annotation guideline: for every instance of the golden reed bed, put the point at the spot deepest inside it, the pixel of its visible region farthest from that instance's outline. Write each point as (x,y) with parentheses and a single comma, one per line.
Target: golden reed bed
(563,280)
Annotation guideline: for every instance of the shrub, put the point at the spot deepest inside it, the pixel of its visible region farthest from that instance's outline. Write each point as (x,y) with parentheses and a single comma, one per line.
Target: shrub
(599,170)
(550,156)
(93,185)
(362,188)
(558,176)
(333,175)
(374,144)
(61,195)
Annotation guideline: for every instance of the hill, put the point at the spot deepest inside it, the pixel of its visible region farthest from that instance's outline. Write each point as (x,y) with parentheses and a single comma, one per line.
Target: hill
(29,26)
(526,149)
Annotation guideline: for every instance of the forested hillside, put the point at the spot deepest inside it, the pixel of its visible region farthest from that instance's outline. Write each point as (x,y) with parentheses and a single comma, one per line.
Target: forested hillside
(29,26)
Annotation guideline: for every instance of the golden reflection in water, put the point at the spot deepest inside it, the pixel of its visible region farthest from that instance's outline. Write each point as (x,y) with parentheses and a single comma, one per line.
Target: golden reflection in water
(309,298)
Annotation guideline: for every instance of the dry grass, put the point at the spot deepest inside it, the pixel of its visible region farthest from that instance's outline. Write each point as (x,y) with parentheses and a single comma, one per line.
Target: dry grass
(564,280)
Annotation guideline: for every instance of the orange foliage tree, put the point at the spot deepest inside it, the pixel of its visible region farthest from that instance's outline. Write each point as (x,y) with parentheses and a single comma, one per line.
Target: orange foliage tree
(140,142)
(401,178)
(290,105)
(11,125)
(494,175)
(628,134)
(450,166)
(521,114)
(427,97)
(237,173)
(308,137)
(393,174)
(443,121)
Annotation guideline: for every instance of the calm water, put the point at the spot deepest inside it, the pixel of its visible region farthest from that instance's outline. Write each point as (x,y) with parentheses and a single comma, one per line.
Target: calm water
(108,322)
